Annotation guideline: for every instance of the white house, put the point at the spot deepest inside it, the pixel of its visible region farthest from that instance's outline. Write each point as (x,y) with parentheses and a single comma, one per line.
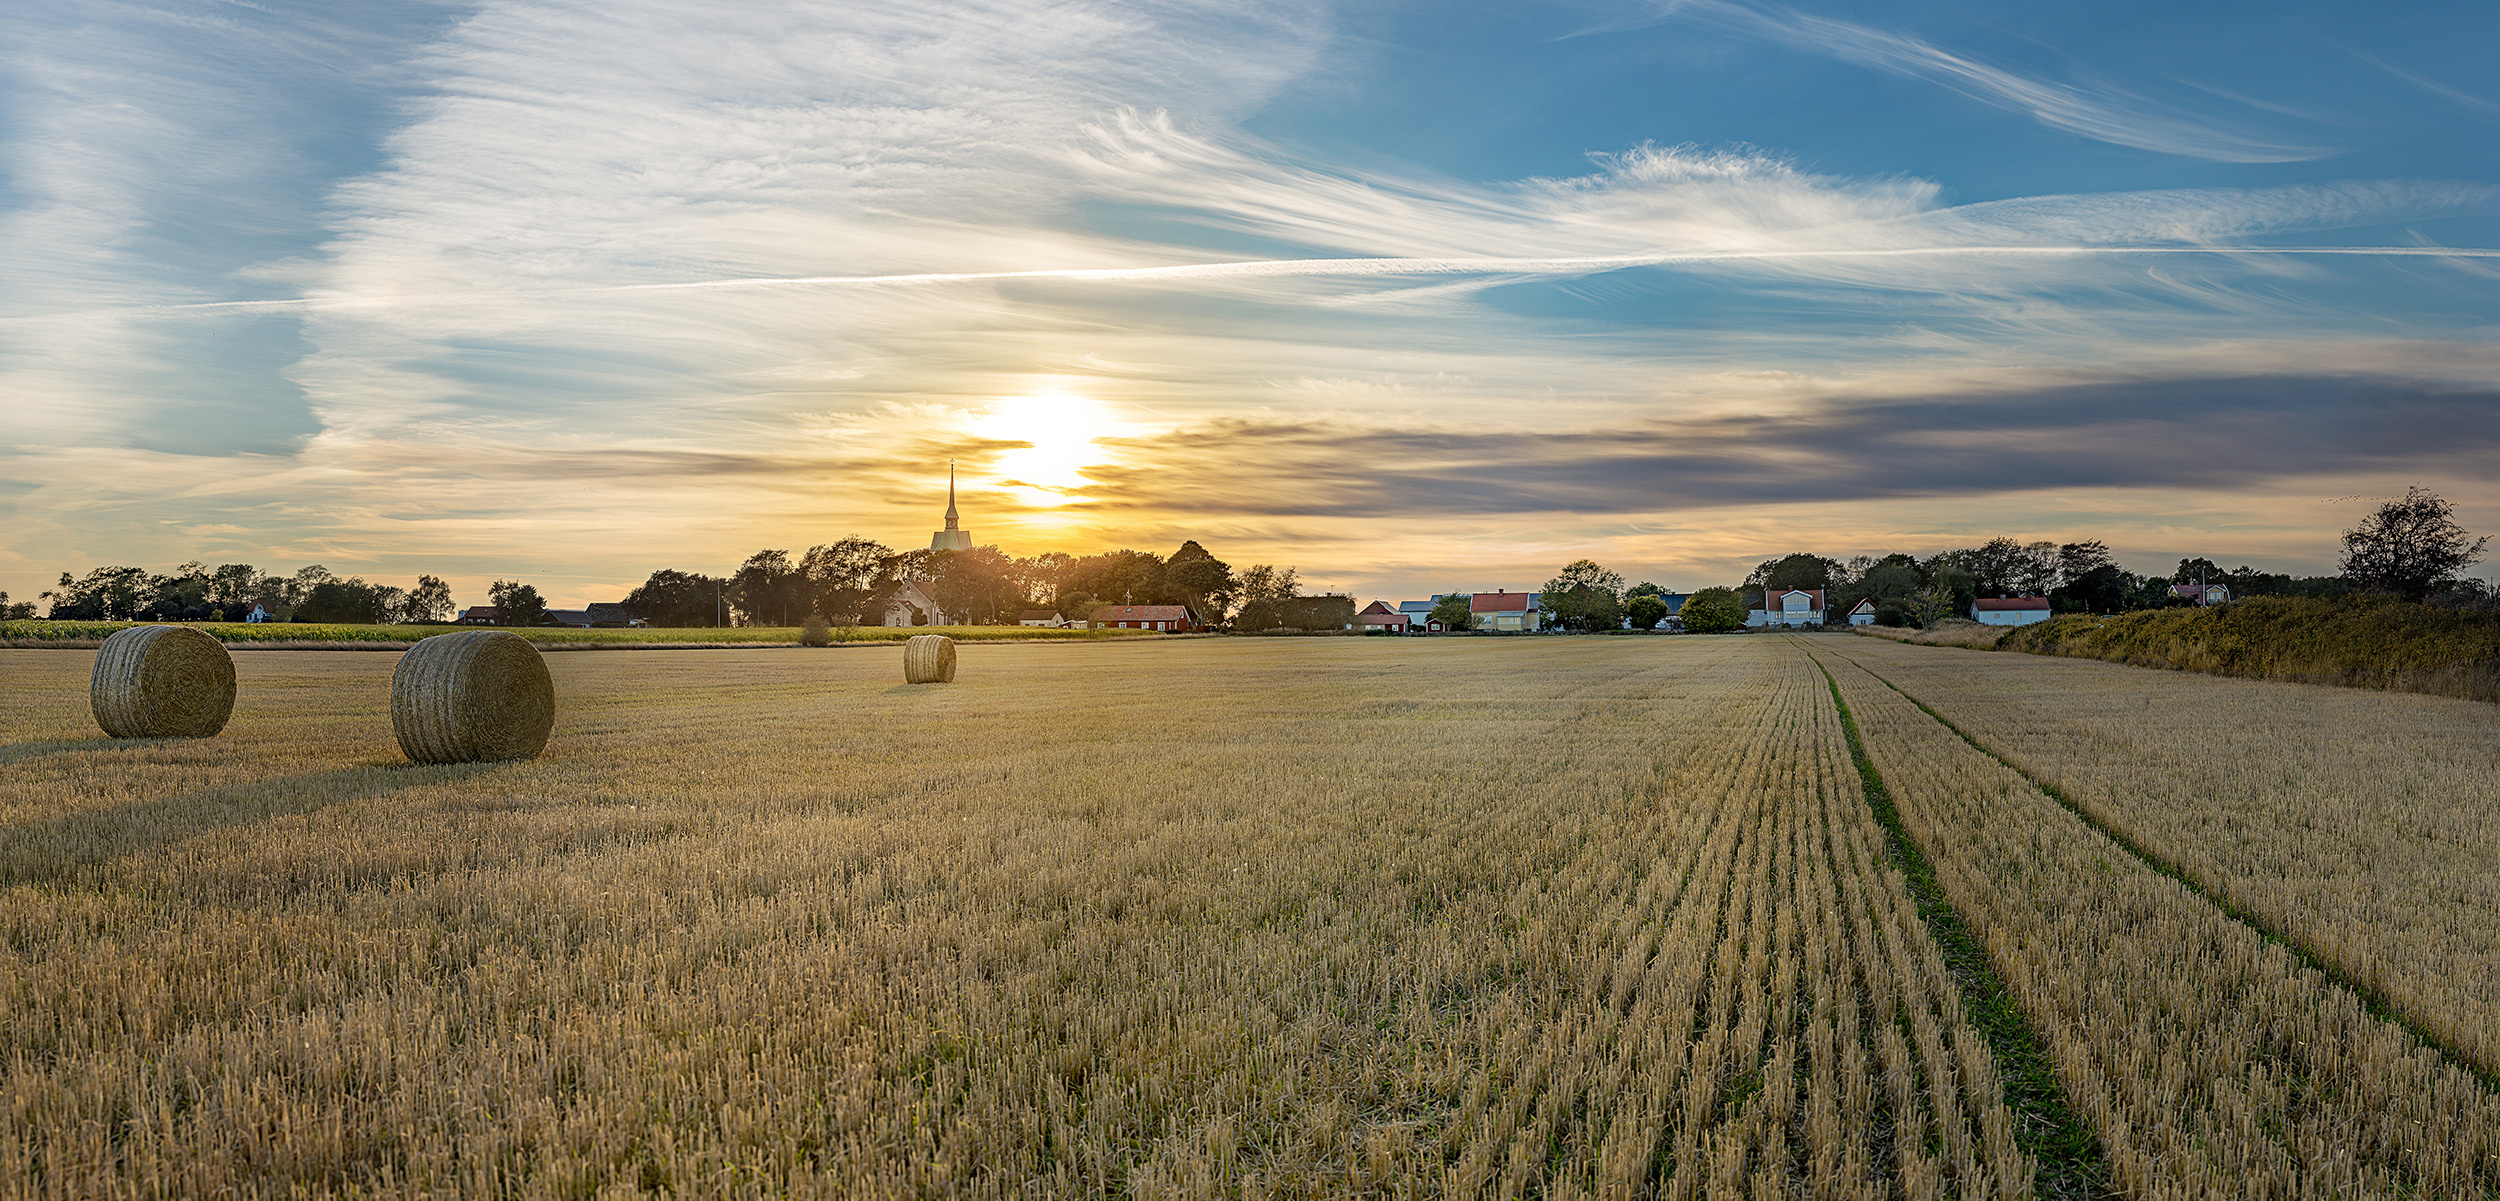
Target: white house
(2009,610)
(913,606)
(1047,618)
(1863,614)
(1793,607)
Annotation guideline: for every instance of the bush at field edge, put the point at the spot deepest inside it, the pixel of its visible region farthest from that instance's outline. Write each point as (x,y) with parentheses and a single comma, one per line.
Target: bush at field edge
(2360,641)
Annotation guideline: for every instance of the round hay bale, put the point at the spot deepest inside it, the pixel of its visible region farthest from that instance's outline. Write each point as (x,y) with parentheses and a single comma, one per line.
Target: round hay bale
(162,682)
(929,659)
(477,696)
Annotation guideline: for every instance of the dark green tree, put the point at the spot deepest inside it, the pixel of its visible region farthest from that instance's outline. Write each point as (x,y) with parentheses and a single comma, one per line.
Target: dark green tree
(516,603)
(1714,610)
(1455,611)
(1585,596)
(2409,547)
(1645,611)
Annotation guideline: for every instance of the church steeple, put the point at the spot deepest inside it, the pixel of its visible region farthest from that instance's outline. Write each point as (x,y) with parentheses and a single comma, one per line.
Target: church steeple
(954,536)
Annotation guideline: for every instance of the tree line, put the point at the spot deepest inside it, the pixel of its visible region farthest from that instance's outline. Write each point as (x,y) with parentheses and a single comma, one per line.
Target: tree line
(853,581)
(230,591)
(2411,548)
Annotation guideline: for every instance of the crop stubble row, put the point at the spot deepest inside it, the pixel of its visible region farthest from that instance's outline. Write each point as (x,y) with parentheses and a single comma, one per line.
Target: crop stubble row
(1423,922)
(2364,825)
(2212,1061)
(1573,917)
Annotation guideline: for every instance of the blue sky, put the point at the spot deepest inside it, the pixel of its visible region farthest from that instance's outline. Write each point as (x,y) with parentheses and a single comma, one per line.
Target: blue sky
(1411,296)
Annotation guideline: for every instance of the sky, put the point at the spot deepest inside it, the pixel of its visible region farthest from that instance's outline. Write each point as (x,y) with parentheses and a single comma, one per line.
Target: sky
(1412,297)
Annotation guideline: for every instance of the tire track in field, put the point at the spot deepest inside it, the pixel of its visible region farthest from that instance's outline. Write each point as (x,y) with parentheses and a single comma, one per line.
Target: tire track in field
(2071,1160)
(2379,1004)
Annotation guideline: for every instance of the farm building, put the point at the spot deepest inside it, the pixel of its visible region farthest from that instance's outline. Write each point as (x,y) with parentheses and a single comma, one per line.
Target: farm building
(480,615)
(1379,616)
(1175,619)
(1862,613)
(1041,617)
(1419,614)
(2201,594)
(1790,607)
(2009,610)
(913,606)
(1506,610)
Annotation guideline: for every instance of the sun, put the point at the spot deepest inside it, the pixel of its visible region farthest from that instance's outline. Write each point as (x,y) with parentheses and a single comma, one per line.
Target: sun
(1062,433)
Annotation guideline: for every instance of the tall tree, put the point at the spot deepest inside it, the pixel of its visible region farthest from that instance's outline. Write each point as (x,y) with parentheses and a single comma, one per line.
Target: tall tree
(767,587)
(429,601)
(1263,589)
(516,603)
(847,581)
(1584,596)
(1454,611)
(1202,581)
(1714,610)
(676,598)
(2409,546)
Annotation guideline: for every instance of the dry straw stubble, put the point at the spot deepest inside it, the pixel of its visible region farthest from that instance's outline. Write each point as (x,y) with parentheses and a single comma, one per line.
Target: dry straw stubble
(162,682)
(929,659)
(475,696)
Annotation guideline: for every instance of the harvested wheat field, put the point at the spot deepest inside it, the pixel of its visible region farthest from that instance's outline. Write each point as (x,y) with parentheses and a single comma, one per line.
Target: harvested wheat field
(1675,917)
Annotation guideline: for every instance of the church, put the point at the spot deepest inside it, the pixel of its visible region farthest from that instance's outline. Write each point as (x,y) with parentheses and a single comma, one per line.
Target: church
(912,605)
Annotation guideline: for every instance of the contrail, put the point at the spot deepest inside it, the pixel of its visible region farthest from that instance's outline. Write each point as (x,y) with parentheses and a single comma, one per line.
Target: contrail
(1265,268)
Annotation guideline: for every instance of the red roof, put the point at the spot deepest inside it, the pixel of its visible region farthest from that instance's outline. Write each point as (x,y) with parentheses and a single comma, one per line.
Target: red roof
(1864,606)
(1999,604)
(1378,607)
(1815,593)
(1501,602)
(1142,613)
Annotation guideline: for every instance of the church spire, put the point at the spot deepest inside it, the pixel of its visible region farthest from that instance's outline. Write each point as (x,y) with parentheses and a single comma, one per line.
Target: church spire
(954,536)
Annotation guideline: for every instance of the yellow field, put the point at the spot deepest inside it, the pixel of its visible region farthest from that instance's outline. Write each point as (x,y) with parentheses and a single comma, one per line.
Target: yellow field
(1273,917)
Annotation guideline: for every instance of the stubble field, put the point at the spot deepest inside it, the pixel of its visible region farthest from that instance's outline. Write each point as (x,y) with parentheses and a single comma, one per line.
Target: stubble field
(1560,917)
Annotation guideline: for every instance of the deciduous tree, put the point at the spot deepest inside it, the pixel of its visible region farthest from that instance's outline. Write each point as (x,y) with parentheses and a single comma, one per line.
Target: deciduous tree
(2409,546)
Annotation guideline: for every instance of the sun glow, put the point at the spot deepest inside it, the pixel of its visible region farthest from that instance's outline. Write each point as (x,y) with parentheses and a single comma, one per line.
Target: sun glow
(1062,435)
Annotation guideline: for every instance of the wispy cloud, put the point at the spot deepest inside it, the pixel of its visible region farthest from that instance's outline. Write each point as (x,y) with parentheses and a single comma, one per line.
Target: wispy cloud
(2095,110)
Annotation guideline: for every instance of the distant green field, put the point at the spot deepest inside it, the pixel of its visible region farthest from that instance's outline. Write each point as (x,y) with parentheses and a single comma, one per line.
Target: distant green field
(35,633)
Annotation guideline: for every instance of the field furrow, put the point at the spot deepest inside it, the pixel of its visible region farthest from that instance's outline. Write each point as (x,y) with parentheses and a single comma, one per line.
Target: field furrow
(2363,826)
(2212,1061)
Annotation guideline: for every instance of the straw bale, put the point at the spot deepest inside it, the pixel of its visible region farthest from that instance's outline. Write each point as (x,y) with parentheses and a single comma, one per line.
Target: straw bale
(929,659)
(475,696)
(162,682)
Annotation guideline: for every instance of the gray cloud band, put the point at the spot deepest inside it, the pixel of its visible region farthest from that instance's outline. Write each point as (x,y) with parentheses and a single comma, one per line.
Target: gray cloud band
(2144,433)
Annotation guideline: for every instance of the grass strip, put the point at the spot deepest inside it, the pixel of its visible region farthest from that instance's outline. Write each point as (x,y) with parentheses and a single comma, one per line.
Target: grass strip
(2377,1003)
(2072,1162)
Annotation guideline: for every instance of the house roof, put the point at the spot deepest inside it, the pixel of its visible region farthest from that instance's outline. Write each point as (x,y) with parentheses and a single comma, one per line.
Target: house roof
(1815,593)
(570,616)
(1378,607)
(1416,606)
(1864,605)
(482,611)
(1502,602)
(608,610)
(1142,613)
(2000,604)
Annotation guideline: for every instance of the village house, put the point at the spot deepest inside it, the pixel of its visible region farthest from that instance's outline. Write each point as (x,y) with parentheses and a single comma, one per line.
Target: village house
(1174,619)
(1379,616)
(2009,610)
(2201,594)
(1788,607)
(1863,613)
(480,615)
(1046,618)
(1506,611)
(1419,615)
(911,605)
